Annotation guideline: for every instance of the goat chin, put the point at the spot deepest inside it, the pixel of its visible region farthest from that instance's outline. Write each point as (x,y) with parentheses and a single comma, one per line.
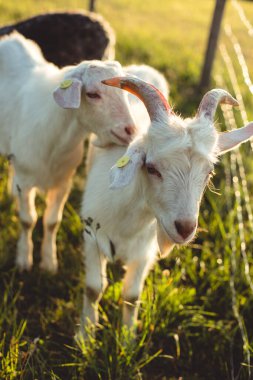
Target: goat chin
(165,244)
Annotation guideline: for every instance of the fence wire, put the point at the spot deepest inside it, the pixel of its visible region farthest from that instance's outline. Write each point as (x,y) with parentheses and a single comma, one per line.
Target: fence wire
(243,17)
(235,68)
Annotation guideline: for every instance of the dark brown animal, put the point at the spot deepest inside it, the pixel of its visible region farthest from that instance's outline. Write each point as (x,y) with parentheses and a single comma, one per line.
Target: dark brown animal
(67,38)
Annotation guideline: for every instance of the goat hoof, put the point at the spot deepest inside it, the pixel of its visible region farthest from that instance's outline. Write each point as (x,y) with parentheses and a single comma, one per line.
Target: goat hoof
(79,337)
(84,335)
(50,267)
(23,265)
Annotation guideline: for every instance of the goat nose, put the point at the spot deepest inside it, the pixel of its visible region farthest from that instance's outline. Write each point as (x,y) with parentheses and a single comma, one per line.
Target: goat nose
(130,130)
(185,227)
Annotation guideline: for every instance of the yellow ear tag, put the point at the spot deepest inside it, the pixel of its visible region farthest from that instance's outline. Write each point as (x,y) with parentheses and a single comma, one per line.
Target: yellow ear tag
(66,83)
(123,161)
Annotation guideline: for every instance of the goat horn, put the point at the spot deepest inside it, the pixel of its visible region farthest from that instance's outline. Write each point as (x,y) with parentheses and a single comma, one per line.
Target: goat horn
(149,95)
(210,102)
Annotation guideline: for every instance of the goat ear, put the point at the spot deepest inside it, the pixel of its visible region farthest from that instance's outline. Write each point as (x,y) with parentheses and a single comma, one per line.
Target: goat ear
(230,140)
(68,94)
(124,171)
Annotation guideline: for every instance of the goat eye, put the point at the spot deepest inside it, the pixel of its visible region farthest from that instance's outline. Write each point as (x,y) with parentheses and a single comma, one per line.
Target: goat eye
(93,95)
(153,171)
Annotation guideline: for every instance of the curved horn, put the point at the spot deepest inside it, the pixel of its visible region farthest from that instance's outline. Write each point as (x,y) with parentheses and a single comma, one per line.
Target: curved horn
(210,102)
(153,99)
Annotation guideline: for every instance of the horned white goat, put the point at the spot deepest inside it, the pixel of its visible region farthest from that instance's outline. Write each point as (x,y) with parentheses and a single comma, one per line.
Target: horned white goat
(160,180)
(45,114)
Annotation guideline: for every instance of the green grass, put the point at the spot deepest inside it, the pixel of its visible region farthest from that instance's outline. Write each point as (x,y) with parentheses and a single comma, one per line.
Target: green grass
(196,314)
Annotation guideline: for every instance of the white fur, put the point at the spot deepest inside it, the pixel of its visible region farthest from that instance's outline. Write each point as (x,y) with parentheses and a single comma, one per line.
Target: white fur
(135,227)
(43,141)
(130,223)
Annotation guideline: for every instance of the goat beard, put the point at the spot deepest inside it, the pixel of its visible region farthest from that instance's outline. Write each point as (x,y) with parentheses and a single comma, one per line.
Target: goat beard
(164,243)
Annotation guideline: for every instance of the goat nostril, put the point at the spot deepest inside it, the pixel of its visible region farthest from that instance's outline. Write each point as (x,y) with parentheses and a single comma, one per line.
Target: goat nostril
(185,227)
(129,130)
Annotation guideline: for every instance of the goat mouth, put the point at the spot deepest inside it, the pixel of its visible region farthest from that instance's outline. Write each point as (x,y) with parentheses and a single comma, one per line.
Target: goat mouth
(123,140)
(175,240)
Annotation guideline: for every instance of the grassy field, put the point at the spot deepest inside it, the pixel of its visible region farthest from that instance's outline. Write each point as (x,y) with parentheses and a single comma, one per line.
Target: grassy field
(196,318)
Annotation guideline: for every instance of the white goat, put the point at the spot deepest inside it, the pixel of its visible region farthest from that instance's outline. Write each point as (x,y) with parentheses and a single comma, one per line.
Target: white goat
(161,177)
(43,136)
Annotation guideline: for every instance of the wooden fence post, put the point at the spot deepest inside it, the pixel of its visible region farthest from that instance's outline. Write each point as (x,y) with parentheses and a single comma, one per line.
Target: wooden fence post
(92,5)
(212,44)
